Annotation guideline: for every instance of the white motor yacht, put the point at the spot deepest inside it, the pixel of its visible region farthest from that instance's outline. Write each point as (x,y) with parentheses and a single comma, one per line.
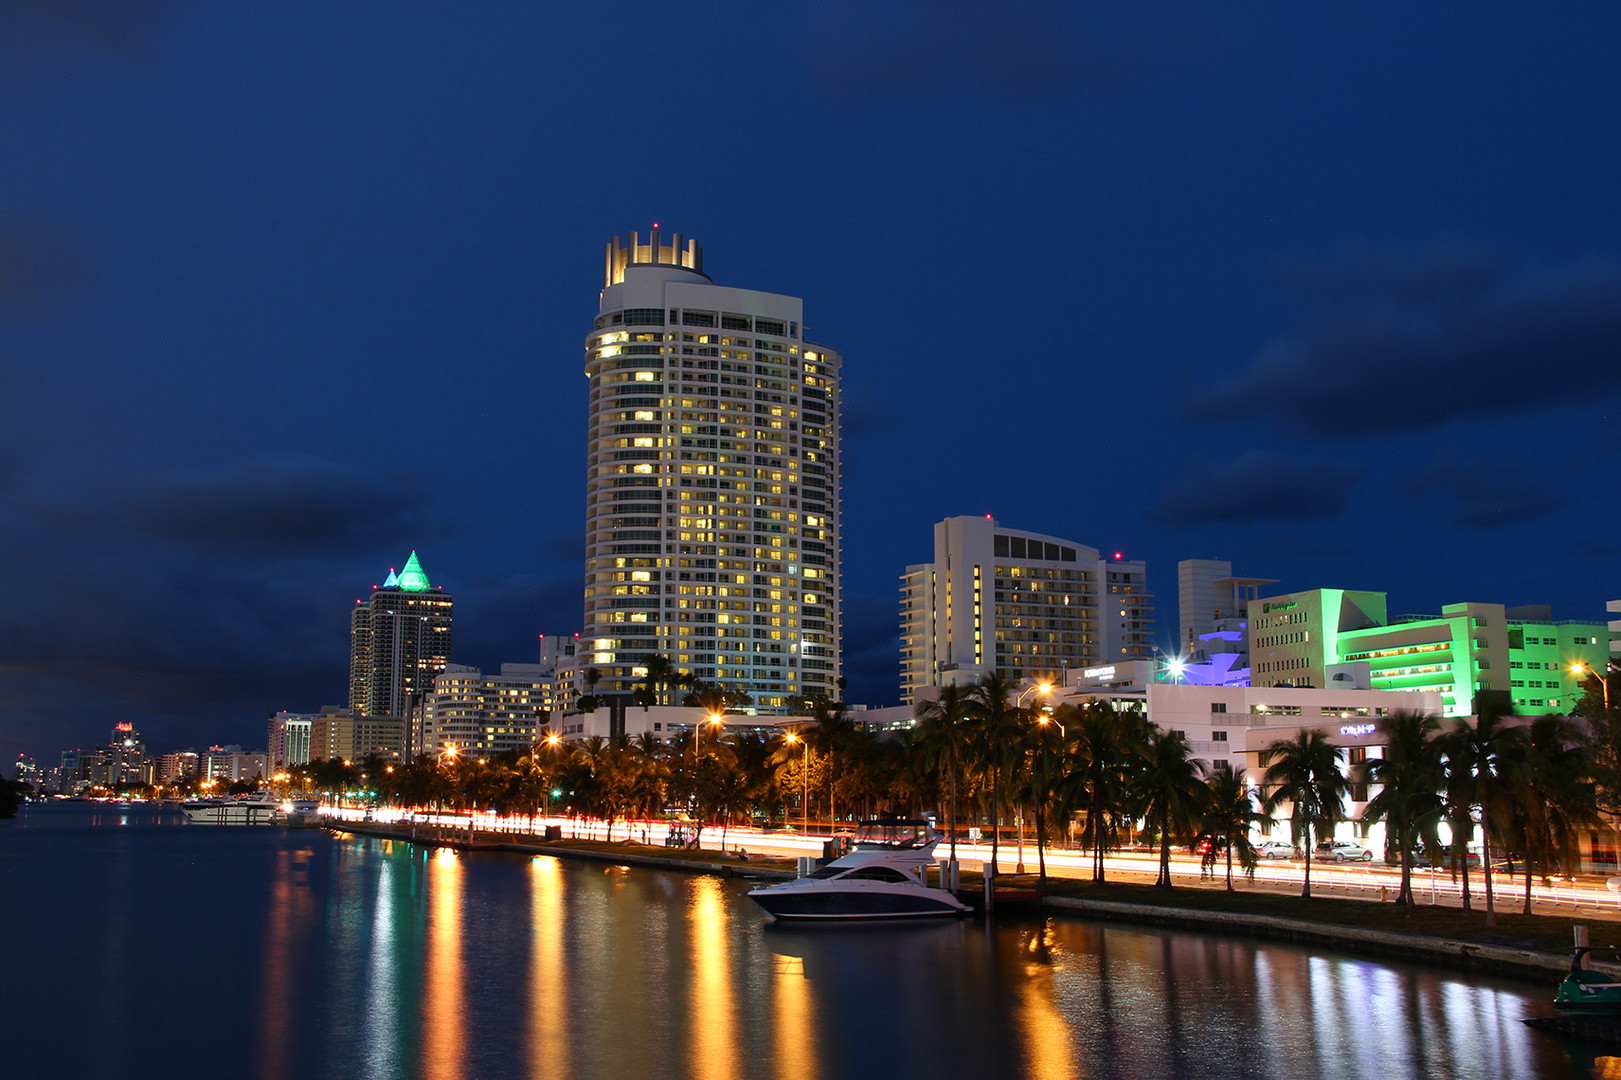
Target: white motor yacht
(881,879)
(256,809)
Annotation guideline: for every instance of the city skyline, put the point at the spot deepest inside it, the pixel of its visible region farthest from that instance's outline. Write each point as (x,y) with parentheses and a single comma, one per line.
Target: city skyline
(1328,302)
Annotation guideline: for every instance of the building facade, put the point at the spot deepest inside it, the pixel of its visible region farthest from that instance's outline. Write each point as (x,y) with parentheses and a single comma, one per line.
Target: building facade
(399,641)
(712,482)
(487,714)
(1470,647)
(1032,605)
(288,736)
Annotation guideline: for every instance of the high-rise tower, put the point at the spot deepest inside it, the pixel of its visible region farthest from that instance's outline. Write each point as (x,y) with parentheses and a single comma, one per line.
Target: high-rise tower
(712,482)
(399,641)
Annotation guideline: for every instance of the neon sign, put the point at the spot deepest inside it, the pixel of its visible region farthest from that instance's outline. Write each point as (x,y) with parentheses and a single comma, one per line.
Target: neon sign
(1356,729)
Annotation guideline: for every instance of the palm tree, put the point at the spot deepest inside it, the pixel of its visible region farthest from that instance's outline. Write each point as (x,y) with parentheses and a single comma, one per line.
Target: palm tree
(828,736)
(661,675)
(1305,772)
(943,730)
(997,723)
(589,702)
(1554,799)
(1173,792)
(1230,814)
(1107,748)
(1410,780)
(1486,756)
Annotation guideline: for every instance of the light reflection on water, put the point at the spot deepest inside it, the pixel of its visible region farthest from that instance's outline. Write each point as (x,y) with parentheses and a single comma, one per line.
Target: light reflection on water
(444,1004)
(309,955)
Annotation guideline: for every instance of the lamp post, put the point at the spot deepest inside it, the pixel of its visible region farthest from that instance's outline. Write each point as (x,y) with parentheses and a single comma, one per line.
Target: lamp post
(1042,689)
(804,779)
(1579,669)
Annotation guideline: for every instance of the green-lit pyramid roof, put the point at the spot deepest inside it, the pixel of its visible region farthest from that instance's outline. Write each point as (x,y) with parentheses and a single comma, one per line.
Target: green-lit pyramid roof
(412,578)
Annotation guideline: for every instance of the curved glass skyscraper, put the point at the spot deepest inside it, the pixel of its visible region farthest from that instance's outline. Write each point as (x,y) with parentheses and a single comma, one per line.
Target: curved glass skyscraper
(712,482)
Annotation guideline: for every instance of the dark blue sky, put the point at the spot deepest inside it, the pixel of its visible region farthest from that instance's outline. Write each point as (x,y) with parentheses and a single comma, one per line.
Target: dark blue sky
(287,290)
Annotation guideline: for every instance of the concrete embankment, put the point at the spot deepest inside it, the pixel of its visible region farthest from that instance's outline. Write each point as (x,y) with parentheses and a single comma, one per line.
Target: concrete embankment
(459,840)
(1520,963)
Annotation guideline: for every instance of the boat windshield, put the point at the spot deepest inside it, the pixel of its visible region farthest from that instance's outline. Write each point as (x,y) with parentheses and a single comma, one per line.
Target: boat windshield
(893,834)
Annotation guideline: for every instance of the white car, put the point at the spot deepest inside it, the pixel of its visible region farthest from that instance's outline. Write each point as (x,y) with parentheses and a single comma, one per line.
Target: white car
(1347,851)
(1278,849)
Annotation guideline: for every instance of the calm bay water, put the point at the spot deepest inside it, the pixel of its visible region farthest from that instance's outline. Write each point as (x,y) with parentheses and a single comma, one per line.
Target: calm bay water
(139,945)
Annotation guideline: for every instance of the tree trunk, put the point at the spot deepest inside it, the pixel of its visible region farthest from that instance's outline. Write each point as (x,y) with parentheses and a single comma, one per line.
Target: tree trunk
(1041,842)
(1305,894)
(1405,894)
(1164,879)
(1485,862)
(996,809)
(1467,906)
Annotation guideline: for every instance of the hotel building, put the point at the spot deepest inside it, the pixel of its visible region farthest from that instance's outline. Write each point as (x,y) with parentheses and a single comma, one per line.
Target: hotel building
(486,714)
(1470,647)
(712,482)
(399,641)
(1032,605)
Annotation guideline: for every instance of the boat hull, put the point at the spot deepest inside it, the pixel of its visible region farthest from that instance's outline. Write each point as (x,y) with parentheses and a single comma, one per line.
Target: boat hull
(832,905)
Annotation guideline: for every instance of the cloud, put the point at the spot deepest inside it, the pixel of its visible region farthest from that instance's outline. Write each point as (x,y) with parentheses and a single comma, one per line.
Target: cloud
(126,28)
(292,504)
(1395,342)
(36,266)
(1015,51)
(1258,486)
(1481,493)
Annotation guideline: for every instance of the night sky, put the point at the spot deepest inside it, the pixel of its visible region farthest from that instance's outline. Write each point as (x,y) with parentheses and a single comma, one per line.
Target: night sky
(288,290)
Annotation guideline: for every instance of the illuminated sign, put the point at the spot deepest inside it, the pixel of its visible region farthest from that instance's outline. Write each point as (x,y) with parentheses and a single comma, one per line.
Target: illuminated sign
(1106,672)
(1356,729)
(1278,607)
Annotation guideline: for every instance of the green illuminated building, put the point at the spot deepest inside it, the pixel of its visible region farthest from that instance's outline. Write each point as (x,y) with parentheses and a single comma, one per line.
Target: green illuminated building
(399,641)
(1299,638)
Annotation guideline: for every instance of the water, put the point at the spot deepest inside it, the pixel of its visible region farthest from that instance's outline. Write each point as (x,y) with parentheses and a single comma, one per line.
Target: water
(139,945)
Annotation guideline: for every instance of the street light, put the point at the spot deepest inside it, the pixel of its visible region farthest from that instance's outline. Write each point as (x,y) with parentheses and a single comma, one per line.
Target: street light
(804,778)
(715,720)
(1043,689)
(1579,669)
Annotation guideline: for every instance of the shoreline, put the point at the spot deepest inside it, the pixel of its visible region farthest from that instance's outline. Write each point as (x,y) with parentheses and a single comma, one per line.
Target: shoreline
(1527,964)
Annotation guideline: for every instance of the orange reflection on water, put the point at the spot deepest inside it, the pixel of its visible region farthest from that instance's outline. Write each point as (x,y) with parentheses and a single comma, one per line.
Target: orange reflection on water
(794,1020)
(290,905)
(444,1043)
(1047,1036)
(548,994)
(712,1012)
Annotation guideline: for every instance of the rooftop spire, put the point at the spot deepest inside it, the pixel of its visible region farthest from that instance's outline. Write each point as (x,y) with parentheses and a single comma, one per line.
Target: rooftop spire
(391,582)
(413,578)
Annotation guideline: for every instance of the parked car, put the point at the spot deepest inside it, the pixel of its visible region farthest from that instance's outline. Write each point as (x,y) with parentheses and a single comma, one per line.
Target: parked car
(1345,851)
(1204,847)
(1278,849)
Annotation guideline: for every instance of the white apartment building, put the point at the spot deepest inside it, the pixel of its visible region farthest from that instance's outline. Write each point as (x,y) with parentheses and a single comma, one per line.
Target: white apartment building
(1026,603)
(712,482)
(486,714)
